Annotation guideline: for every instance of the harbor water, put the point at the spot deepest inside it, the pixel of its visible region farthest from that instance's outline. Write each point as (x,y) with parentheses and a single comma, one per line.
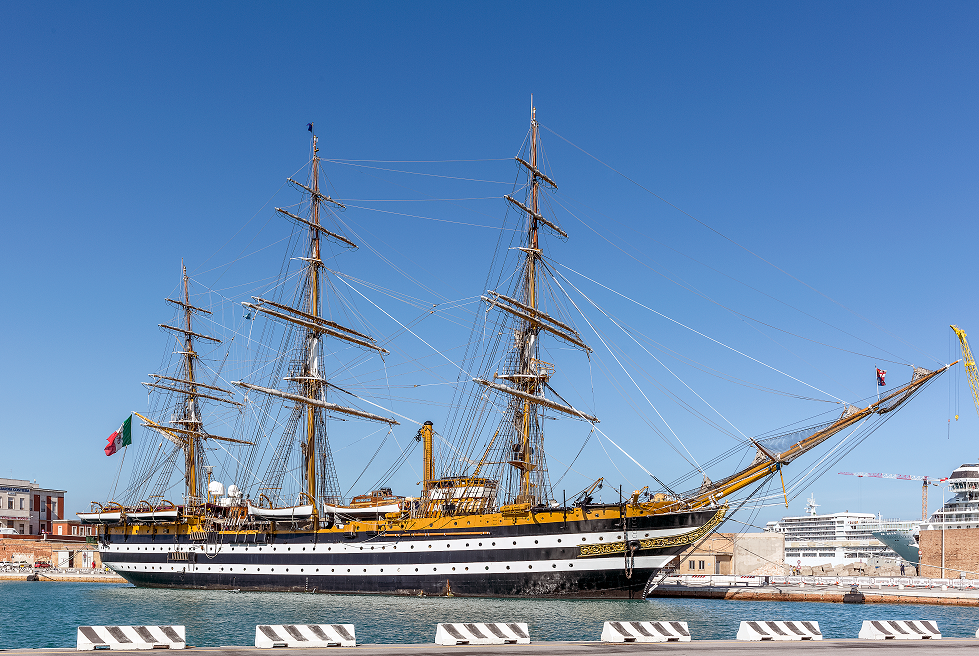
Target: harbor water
(47,614)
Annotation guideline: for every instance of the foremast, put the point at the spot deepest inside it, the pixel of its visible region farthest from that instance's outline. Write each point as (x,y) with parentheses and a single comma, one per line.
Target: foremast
(528,376)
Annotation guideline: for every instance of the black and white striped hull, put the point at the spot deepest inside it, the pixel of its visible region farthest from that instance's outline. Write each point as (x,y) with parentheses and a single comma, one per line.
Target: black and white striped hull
(593,558)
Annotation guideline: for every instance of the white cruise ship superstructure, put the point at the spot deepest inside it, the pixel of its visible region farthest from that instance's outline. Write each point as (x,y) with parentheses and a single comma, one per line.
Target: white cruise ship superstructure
(835,539)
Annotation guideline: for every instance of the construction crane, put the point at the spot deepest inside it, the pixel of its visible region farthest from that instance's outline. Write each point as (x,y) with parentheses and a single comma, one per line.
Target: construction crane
(925,482)
(970,365)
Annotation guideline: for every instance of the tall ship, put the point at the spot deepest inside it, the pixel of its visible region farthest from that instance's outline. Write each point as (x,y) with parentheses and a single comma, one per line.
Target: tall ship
(486,519)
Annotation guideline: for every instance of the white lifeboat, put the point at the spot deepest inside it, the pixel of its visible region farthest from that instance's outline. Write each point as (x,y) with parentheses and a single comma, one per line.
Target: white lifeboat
(281,514)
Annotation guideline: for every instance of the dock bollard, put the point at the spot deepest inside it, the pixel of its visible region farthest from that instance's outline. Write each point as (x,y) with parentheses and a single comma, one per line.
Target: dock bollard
(899,630)
(482,633)
(645,632)
(305,635)
(129,638)
(779,631)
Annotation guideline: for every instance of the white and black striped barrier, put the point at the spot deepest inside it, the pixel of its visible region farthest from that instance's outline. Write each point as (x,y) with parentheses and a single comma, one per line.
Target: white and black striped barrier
(129,638)
(899,630)
(779,631)
(482,633)
(305,635)
(645,632)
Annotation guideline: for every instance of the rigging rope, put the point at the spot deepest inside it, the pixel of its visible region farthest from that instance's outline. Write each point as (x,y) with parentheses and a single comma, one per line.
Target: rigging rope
(744,248)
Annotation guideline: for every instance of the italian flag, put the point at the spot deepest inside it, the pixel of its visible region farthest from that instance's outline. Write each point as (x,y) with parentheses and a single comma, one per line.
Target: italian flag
(122,437)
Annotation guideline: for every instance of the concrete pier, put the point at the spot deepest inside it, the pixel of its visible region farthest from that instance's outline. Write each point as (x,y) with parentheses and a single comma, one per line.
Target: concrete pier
(820,591)
(955,646)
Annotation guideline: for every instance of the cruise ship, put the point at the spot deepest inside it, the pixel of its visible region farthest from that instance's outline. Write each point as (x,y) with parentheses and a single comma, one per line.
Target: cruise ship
(962,510)
(834,539)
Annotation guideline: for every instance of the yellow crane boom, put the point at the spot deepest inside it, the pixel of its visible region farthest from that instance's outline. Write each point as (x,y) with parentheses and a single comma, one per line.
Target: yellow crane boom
(970,364)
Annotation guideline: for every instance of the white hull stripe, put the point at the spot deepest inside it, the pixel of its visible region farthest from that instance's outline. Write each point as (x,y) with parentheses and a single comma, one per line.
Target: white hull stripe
(428,543)
(460,568)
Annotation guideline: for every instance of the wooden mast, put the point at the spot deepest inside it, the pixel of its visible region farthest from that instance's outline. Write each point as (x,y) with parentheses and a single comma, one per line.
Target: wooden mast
(530,335)
(193,418)
(314,385)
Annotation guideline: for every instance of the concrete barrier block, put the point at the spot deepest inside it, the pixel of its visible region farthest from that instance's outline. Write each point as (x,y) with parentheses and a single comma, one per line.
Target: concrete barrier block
(482,633)
(128,638)
(899,630)
(779,631)
(305,635)
(645,632)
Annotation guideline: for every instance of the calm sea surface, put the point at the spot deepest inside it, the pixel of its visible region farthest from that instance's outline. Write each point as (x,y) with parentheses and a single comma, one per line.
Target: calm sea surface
(47,614)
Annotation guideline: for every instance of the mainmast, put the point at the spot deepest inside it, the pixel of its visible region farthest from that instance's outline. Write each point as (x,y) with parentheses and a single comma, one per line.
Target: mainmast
(314,386)
(308,375)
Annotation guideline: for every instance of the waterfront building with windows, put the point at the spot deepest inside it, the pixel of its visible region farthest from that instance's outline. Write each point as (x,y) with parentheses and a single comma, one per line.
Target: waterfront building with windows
(28,508)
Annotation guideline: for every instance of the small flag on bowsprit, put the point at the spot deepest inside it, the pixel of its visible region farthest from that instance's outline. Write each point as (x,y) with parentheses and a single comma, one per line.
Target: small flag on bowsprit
(880,378)
(309,127)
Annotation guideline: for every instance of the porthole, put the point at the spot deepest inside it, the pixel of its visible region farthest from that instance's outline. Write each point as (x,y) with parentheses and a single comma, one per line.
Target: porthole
(453,569)
(435,569)
(348,570)
(416,569)
(300,569)
(535,541)
(508,567)
(570,564)
(514,542)
(467,569)
(530,567)
(559,539)
(365,569)
(487,567)
(554,565)
(480,544)
(582,539)
(600,538)
(429,546)
(494,544)
(647,535)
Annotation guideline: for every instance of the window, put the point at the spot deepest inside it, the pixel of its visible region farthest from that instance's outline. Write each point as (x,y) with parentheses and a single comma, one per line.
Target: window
(700,564)
(74,530)
(693,565)
(10,503)
(60,527)
(22,503)
(22,529)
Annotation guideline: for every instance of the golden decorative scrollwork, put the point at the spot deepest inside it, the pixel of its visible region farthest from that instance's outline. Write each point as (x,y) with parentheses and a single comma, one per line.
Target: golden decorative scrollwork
(654,543)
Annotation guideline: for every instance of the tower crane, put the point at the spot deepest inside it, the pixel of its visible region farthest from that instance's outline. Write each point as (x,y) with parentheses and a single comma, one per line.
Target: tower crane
(970,364)
(925,482)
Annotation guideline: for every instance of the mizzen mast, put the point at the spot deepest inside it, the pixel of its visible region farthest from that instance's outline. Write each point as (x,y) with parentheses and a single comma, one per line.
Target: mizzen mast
(187,429)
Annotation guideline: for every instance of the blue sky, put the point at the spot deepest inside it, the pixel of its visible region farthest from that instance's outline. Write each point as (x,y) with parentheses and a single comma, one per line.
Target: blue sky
(836,141)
